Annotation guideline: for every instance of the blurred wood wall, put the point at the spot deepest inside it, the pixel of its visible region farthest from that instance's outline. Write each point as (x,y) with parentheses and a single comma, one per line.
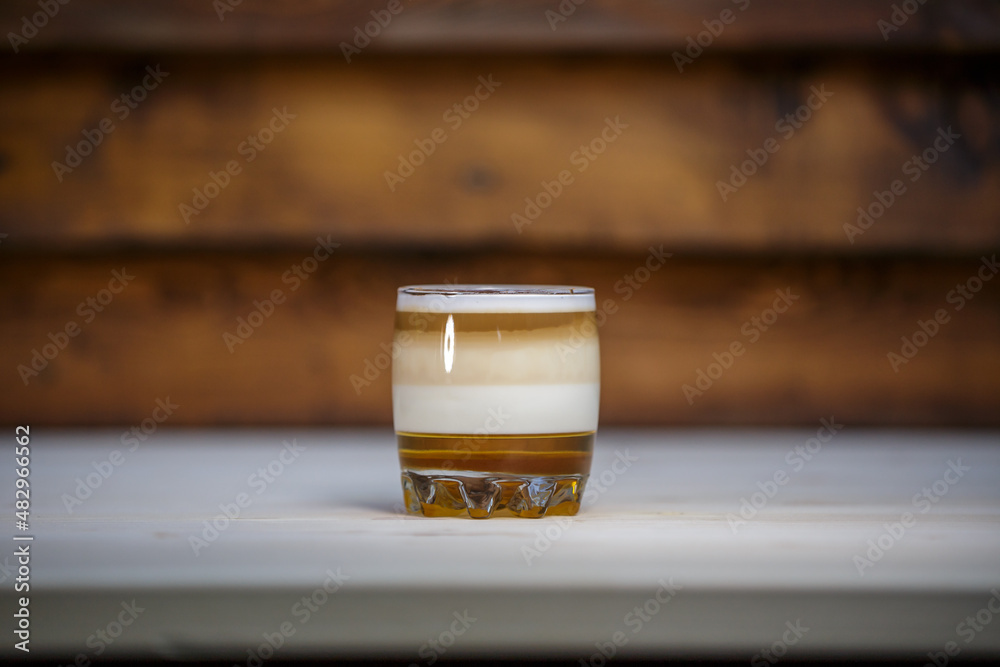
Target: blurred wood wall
(246,142)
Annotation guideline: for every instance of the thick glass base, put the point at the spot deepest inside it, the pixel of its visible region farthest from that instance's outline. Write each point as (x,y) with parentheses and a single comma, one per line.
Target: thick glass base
(481,495)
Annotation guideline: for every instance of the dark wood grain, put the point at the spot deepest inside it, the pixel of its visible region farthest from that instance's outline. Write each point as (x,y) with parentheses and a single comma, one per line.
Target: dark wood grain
(434,25)
(162,336)
(657,183)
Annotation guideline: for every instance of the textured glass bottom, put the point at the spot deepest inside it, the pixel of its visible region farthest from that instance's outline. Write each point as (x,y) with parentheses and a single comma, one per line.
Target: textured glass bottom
(483,495)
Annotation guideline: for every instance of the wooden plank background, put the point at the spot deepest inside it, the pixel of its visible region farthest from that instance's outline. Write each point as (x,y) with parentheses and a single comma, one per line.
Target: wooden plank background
(655,185)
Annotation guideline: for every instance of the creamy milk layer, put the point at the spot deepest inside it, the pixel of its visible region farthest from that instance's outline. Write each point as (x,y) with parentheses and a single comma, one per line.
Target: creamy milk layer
(496,409)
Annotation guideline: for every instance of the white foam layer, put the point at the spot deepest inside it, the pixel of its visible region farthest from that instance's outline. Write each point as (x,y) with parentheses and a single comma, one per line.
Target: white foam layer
(496,409)
(495,299)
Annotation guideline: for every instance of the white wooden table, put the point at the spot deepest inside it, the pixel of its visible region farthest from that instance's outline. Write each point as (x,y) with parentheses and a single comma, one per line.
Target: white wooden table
(651,564)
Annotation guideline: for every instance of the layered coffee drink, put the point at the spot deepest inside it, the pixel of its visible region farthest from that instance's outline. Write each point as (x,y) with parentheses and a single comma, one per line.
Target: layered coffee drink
(495,393)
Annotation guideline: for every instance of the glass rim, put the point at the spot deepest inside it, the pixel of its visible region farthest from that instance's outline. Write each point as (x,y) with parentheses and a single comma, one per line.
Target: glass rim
(495,298)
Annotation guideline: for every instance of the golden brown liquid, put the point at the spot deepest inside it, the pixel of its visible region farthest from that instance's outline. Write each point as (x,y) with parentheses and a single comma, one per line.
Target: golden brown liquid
(494,475)
(513,323)
(561,454)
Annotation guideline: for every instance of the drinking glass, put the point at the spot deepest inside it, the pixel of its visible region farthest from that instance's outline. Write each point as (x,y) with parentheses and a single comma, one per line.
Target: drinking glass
(495,392)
